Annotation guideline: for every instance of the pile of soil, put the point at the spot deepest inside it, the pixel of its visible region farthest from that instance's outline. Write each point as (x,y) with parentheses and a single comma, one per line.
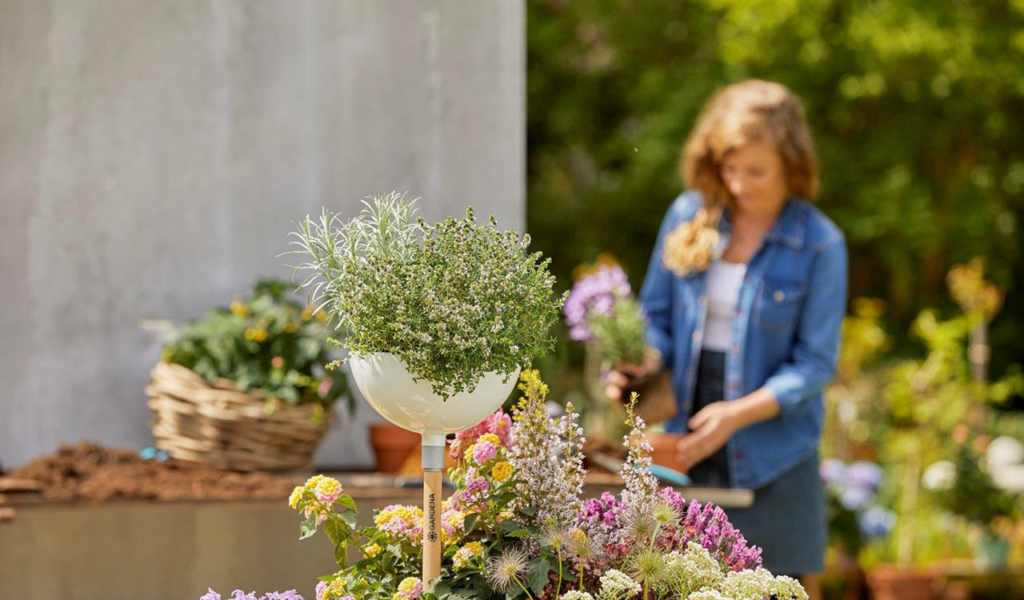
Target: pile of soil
(90,472)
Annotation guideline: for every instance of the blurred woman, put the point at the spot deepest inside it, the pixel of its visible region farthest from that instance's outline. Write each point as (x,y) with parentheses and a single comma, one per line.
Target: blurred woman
(745,295)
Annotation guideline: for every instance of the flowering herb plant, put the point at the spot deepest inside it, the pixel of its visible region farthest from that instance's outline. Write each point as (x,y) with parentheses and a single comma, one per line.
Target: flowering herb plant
(601,309)
(268,342)
(453,300)
(854,515)
(517,527)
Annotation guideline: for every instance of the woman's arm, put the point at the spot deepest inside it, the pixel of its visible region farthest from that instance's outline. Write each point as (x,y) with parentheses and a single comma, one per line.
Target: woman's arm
(812,363)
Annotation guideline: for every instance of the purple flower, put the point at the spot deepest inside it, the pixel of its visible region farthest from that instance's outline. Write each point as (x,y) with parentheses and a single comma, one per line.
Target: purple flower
(210,595)
(855,498)
(833,471)
(594,294)
(321,589)
(289,595)
(864,474)
(240,595)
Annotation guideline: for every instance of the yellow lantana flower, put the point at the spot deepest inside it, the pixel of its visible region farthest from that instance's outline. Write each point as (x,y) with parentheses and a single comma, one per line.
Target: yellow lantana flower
(373,550)
(501,471)
(490,437)
(255,334)
(238,309)
(297,493)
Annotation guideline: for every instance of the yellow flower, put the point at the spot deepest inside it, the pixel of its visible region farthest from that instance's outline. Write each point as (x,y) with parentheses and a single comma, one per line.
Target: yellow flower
(314,481)
(503,516)
(501,471)
(467,553)
(490,437)
(409,587)
(577,537)
(297,493)
(290,328)
(255,334)
(238,309)
(307,314)
(468,454)
(373,550)
(336,589)
(321,316)
(328,487)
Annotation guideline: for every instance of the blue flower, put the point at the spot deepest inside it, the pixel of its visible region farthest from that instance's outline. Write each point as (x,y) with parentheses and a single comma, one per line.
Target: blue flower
(877,522)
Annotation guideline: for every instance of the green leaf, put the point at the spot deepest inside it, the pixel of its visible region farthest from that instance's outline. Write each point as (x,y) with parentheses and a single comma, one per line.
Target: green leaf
(307,528)
(539,575)
(520,533)
(341,554)
(334,531)
(349,516)
(347,501)
(470,521)
(508,526)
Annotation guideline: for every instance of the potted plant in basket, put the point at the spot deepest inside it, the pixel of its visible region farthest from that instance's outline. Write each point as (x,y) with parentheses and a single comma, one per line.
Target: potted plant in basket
(517,527)
(246,386)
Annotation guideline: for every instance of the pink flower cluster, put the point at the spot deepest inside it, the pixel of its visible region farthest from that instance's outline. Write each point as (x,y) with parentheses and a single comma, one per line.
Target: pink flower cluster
(605,510)
(709,526)
(705,524)
(499,424)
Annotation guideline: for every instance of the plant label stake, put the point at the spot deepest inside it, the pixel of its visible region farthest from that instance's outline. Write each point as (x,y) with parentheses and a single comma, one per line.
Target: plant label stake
(392,391)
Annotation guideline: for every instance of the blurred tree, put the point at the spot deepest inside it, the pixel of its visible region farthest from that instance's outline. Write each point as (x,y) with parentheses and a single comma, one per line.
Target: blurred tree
(917,109)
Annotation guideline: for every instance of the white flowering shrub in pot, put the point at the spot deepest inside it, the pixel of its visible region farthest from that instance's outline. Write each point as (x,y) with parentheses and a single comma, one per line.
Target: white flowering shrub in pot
(439,316)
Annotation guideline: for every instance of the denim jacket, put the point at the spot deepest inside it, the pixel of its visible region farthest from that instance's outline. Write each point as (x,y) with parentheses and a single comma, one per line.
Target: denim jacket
(786,332)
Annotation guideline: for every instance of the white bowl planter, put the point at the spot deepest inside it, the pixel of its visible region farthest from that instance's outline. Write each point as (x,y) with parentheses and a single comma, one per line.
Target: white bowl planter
(388,386)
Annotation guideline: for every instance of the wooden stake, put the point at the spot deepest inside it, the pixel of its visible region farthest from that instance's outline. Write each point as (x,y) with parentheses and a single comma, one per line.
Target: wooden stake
(433,493)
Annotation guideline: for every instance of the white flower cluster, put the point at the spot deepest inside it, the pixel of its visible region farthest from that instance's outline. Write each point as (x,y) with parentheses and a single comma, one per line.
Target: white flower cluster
(689,572)
(760,584)
(616,585)
(454,300)
(707,595)
(574,595)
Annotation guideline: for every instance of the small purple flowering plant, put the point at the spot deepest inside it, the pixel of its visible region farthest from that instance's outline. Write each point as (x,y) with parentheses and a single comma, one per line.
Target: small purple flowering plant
(518,527)
(601,310)
(855,516)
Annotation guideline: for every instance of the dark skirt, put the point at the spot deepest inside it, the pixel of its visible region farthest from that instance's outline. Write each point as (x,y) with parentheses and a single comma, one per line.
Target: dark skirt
(787,519)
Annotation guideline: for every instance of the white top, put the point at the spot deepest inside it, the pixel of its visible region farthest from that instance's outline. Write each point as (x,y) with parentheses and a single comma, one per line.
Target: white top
(723,292)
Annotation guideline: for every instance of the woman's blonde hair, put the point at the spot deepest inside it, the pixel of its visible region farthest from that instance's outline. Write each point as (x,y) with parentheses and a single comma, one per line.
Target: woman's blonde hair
(752,111)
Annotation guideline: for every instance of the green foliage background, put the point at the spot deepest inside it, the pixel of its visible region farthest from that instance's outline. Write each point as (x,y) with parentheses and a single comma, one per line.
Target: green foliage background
(917,108)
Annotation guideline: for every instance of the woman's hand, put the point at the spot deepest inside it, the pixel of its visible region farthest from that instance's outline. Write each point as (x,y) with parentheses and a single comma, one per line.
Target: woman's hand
(620,377)
(710,429)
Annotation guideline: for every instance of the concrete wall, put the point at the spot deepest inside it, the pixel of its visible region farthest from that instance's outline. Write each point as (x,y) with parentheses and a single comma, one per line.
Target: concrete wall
(154,155)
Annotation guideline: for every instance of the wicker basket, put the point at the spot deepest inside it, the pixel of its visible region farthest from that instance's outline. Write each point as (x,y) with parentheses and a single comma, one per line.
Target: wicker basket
(216,423)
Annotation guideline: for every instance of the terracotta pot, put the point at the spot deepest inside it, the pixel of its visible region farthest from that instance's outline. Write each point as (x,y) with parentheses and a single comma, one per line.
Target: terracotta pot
(663,447)
(392,444)
(889,582)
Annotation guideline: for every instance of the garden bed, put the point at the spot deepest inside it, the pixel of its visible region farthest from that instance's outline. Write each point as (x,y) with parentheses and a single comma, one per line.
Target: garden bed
(89,472)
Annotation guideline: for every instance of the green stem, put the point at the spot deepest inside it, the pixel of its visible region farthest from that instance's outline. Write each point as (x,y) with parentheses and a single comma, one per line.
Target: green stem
(580,569)
(558,590)
(523,587)
(654,538)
